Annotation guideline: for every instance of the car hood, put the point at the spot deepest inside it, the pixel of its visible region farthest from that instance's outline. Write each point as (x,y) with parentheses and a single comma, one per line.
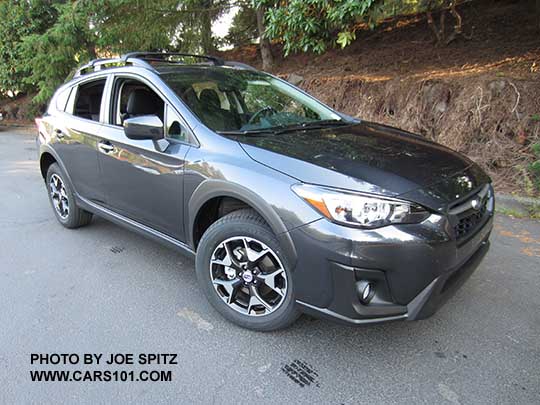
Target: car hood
(369,157)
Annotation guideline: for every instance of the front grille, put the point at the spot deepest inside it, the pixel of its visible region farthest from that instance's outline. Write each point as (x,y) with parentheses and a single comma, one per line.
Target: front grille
(469,222)
(470,215)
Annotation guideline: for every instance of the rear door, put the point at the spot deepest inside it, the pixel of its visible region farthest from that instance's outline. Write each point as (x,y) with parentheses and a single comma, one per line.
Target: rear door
(143,179)
(75,135)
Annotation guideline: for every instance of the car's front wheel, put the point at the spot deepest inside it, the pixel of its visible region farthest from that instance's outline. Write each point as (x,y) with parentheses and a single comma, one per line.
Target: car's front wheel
(63,201)
(244,274)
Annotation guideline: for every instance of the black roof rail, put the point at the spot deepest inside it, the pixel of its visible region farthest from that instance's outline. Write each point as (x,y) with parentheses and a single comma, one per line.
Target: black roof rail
(96,64)
(162,57)
(144,59)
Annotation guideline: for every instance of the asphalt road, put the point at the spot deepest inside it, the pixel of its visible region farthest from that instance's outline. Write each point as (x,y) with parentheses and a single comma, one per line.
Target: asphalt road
(103,289)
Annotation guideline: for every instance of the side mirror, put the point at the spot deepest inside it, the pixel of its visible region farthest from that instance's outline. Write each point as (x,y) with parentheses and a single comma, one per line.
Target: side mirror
(144,127)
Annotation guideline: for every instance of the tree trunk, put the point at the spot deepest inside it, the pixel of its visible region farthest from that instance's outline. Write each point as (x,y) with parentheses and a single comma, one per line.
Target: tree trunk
(207,41)
(91,49)
(438,33)
(264,43)
(458,28)
(441,37)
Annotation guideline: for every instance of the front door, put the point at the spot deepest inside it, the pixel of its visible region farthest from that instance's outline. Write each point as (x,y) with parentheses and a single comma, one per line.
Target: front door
(143,179)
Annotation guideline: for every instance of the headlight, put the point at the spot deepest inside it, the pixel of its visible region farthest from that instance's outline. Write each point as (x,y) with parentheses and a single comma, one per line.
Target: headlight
(360,210)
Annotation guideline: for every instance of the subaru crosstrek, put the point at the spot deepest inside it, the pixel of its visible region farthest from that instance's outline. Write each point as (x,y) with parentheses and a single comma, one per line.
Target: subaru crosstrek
(288,205)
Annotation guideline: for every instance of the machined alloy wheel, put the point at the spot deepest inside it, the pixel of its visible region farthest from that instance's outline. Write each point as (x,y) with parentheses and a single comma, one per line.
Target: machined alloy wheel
(59,196)
(62,199)
(248,276)
(244,273)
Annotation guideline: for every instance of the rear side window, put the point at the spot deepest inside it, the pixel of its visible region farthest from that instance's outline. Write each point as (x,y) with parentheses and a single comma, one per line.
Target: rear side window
(88,100)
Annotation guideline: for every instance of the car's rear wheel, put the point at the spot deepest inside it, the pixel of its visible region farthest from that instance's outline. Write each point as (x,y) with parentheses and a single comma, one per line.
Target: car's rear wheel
(63,201)
(243,273)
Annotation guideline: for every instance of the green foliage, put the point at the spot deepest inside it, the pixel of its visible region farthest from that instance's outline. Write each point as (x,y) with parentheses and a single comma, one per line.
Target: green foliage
(51,56)
(19,19)
(345,38)
(313,25)
(127,25)
(44,40)
(243,28)
(530,211)
(534,211)
(511,212)
(534,167)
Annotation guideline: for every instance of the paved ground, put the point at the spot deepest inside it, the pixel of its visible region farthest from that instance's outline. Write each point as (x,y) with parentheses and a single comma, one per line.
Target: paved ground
(102,289)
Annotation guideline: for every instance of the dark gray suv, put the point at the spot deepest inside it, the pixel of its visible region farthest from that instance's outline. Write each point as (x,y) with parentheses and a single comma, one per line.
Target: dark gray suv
(288,205)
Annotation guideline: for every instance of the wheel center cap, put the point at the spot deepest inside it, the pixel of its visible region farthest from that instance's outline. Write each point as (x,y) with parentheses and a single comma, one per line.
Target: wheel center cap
(247,276)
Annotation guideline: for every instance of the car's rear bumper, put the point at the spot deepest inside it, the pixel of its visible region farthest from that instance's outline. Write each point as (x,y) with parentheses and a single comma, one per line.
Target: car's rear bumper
(413,269)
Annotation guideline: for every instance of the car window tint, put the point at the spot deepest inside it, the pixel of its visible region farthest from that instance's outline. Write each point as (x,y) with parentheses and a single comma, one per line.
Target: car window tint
(243,100)
(175,129)
(88,101)
(205,89)
(134,98)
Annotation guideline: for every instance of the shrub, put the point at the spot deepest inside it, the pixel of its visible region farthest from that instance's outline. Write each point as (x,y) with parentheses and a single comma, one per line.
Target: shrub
(534,167)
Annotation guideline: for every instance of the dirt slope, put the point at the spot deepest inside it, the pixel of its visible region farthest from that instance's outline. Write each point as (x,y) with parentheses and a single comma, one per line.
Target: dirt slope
(479,96)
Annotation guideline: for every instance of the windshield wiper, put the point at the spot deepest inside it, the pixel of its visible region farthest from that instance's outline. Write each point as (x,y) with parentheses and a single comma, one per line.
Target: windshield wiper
(279,129)
(248,131)
(329,122)
(311,125)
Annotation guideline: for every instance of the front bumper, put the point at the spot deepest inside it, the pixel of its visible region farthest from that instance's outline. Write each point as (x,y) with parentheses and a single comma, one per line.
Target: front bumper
(414,268)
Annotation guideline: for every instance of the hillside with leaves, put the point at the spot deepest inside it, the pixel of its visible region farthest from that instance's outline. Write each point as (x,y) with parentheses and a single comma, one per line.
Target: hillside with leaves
(462,72)
(478,95)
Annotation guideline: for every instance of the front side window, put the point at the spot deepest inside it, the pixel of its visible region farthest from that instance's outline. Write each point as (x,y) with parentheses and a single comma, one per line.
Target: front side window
(133,98)
(228,100)
(88,100)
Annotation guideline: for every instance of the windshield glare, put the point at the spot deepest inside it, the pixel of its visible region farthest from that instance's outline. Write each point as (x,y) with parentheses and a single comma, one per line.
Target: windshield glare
(231,100)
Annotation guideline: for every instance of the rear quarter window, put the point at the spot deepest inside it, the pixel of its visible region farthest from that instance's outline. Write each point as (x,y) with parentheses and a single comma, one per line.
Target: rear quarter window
(62,98)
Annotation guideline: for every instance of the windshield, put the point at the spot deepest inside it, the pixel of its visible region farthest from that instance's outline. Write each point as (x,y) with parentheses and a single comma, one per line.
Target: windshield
(232,100)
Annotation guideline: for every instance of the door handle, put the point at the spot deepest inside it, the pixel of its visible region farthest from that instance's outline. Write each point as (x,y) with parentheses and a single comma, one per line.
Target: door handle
(59,133)
(105,146)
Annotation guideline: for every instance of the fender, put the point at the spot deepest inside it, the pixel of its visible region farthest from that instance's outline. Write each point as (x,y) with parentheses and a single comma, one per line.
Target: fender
(46,148)
(213,188)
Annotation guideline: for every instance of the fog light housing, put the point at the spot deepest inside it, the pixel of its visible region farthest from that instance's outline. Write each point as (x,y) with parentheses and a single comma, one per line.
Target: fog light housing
(366,291)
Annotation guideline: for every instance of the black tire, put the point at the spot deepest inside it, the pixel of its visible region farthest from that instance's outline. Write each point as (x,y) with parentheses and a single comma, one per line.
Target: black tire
(245,222)
(75,217)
